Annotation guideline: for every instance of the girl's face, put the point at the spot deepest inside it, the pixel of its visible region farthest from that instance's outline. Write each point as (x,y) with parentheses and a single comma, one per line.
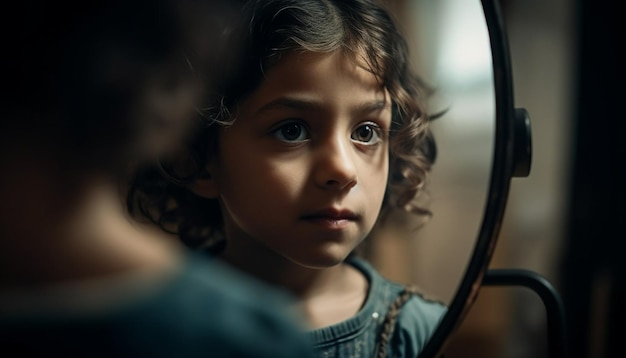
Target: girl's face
(303,169)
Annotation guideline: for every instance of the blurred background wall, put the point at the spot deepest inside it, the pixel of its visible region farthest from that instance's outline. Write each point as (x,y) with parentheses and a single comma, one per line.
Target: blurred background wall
(566,220)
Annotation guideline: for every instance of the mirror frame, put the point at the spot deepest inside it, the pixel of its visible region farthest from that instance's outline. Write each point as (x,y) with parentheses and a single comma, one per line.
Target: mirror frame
(511,157)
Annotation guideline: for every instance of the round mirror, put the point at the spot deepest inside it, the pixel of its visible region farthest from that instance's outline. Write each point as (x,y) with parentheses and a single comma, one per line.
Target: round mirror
(460,50)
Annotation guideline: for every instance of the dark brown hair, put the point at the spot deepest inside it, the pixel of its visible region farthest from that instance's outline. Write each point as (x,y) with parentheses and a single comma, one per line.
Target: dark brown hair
(266,31)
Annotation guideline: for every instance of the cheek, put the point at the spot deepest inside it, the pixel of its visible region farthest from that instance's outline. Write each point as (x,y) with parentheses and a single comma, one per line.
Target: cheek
(259,199)
(376,179)
(250,182)
(378,185)
(375,186)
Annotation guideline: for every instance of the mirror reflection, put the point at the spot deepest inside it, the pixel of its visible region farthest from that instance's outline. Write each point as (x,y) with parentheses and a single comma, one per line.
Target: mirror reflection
(317,130)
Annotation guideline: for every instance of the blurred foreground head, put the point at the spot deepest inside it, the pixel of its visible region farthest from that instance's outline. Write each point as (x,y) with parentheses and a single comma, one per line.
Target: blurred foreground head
(95,85)
(90,89)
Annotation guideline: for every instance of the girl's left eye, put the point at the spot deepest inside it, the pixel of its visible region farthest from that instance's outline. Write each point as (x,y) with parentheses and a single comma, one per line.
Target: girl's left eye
(291,132)
(367,133)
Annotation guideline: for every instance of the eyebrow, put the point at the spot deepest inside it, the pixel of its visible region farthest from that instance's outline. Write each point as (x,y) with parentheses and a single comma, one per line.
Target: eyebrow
(312,105)
(291,103)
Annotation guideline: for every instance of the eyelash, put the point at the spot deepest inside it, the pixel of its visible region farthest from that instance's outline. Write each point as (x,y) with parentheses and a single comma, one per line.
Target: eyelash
(279,131)
(302,132)
(376,133)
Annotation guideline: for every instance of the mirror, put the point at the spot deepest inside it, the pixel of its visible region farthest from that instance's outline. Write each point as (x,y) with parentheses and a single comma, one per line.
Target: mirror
(460,49)
(451,48)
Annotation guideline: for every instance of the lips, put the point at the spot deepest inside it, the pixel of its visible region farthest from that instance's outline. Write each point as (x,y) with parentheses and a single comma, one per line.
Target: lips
(332,215)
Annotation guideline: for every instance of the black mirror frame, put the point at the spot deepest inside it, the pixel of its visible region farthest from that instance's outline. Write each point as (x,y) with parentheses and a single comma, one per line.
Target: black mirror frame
(511,158)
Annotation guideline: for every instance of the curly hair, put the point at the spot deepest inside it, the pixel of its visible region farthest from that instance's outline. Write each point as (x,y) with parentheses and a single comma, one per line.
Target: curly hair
(267,30)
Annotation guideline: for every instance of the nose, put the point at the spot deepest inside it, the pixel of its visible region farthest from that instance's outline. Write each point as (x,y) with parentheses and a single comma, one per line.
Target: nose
(336,167)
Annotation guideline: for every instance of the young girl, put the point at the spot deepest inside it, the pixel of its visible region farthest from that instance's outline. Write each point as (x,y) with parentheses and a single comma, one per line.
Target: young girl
(316,131)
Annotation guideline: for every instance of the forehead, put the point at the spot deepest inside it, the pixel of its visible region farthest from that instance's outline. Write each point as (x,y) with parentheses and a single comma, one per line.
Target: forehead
(334,78)
(312,64)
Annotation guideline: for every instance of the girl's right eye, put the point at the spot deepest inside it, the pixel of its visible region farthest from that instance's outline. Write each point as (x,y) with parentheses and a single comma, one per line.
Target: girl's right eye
(291,132)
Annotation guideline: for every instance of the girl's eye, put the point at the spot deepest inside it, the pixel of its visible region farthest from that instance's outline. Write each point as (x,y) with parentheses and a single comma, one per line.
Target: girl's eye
(367,133)
(291,132)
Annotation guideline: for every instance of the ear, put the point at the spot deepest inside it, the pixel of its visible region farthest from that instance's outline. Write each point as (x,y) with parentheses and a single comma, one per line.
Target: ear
(205,186)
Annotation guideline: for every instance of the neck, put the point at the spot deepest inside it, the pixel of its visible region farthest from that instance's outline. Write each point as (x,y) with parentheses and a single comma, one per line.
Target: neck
(324,295)
(93,238)
(259,261)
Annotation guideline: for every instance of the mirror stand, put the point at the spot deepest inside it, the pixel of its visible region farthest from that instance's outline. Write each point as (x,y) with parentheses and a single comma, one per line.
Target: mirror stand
(549,296)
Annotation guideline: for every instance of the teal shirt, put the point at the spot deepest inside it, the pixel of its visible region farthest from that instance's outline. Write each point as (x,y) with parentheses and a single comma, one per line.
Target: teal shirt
(205,310)
(359,335)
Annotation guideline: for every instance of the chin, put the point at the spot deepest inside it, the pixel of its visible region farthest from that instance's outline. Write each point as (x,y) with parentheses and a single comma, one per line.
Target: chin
(321,261)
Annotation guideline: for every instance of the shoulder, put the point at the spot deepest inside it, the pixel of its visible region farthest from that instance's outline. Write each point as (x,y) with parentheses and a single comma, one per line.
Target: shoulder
(202,308)
(417,320)
(227,309)
(421,315)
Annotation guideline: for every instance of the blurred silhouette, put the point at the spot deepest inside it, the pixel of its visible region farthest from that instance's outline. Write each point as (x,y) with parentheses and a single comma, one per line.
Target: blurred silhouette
(91,90)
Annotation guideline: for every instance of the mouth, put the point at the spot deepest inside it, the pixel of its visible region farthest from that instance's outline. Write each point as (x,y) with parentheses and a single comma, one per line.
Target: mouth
(332,218)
